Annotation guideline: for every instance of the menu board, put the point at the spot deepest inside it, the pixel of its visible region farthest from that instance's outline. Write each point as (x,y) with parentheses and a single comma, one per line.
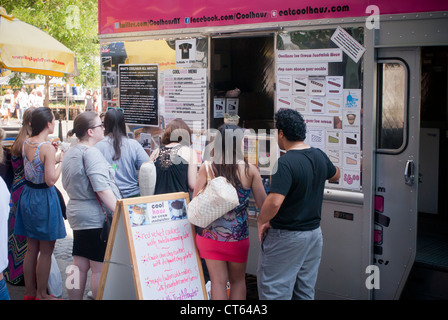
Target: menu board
(138,93)
(332,113)
(161,249)
(186,96)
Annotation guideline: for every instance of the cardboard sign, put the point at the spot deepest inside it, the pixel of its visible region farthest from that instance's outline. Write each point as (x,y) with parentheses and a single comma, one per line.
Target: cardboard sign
(151,252)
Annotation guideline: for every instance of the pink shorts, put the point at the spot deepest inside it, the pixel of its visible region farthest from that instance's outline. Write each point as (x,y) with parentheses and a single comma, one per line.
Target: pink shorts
(233,251)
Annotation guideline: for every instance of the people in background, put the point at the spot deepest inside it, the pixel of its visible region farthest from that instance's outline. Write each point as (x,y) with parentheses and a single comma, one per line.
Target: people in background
(224,244)
(89,182)
(124,154)
(32,98)
(289,220)
(23,102)
(39,99)
(7,106)
(39,214)
(88,101)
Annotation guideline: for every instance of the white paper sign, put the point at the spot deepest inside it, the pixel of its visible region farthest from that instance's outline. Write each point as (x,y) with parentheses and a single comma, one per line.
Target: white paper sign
(349,45)
(307,56)
(165,251)
(219,105)
(316,69)
(185,52)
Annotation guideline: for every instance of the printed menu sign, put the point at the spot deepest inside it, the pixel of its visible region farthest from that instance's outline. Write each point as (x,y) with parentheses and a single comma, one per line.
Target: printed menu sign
(155,234)
(138,93)
(332,112)
(186,96)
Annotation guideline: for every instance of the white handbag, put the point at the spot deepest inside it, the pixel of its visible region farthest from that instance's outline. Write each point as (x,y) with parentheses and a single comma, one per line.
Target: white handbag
(217,198)
(147,175)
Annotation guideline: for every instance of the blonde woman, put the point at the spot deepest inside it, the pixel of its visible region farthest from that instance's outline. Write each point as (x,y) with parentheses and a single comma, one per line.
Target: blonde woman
(85,175)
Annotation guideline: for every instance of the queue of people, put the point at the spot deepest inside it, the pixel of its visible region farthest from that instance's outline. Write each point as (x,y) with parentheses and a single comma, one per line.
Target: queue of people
(103,166)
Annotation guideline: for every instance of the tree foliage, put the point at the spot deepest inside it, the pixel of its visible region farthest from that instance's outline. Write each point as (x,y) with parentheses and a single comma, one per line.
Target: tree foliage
(72,22)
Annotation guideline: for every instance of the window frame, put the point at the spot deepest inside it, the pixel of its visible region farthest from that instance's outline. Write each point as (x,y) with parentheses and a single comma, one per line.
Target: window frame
(380,63)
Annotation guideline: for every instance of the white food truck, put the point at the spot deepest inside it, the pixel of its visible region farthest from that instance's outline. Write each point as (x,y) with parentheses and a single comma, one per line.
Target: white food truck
(371,82)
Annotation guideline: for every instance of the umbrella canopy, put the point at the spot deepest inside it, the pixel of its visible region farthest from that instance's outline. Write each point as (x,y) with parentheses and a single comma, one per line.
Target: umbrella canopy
(25,48)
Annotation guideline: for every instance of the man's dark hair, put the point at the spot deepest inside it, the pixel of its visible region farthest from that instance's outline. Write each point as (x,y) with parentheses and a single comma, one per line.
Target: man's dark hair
(291,123)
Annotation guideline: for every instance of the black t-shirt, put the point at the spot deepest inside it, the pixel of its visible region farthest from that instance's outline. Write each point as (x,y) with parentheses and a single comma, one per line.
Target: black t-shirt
(300,177)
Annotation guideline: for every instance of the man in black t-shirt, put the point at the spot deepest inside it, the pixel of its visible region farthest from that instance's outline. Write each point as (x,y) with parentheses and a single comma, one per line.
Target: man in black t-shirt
(289,221)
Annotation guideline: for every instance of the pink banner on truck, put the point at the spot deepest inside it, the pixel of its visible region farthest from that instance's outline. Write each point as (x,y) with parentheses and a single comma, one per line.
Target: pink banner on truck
(117,16)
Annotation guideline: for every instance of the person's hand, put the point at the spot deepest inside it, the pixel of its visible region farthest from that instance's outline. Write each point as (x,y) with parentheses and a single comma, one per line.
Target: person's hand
(262,229)
(55,142)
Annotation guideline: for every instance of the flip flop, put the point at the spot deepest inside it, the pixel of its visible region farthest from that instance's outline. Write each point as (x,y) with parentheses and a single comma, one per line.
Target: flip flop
(27,297)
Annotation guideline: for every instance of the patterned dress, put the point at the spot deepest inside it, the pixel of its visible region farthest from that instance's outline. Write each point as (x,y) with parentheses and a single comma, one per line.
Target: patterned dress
(232,226)
(16,244)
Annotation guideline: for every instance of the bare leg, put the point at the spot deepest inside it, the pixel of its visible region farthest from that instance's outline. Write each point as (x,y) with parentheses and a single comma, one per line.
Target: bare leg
(218,277)
(237,279)
(29,266)
(43,268)
(81,266)
(95,277)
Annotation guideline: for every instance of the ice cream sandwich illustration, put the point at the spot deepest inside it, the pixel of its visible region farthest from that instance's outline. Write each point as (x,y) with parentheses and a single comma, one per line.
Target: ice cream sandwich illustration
(284,82)
(300,101)
(317,103)
(332,139)
(334,104)
(334,84)
(351,161)
(349,140)
(316,138)
(302,83)
(284,101)
(333,159)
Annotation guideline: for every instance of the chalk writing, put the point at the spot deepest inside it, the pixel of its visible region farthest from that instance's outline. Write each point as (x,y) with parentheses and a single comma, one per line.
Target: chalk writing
(167,261)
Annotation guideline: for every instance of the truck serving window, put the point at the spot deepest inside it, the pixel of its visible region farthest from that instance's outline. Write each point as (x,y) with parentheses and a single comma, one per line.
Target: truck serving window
(392,106)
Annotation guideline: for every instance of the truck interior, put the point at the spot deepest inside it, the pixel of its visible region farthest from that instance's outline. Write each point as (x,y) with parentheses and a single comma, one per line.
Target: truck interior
(247,64)
(429,276)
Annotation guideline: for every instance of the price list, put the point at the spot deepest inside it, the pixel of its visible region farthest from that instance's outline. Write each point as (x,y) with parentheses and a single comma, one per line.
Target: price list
(186,96)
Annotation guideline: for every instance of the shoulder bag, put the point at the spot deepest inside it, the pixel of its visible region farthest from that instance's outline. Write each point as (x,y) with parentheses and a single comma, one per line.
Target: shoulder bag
(217,198)
(147,175)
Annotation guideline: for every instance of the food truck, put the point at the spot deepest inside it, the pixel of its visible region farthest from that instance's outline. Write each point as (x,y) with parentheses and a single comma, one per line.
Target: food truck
(370,79)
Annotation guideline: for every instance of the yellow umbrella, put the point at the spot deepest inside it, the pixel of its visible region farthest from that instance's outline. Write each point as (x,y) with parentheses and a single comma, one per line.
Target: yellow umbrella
(25,48)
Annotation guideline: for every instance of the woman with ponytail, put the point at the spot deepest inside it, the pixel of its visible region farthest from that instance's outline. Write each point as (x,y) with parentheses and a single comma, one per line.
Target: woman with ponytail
(124,154)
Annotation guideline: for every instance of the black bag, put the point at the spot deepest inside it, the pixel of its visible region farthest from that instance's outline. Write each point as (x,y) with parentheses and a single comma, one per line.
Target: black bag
(62,203)
(106,227)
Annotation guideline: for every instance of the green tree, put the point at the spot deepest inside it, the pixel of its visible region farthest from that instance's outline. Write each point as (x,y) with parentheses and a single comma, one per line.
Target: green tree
(72,22)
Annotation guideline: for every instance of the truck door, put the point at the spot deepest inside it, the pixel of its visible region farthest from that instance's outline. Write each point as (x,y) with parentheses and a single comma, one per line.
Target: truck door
(397,154)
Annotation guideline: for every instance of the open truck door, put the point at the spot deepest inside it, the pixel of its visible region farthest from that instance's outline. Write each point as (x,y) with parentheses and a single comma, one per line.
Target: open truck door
(397,159)
(372,234)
